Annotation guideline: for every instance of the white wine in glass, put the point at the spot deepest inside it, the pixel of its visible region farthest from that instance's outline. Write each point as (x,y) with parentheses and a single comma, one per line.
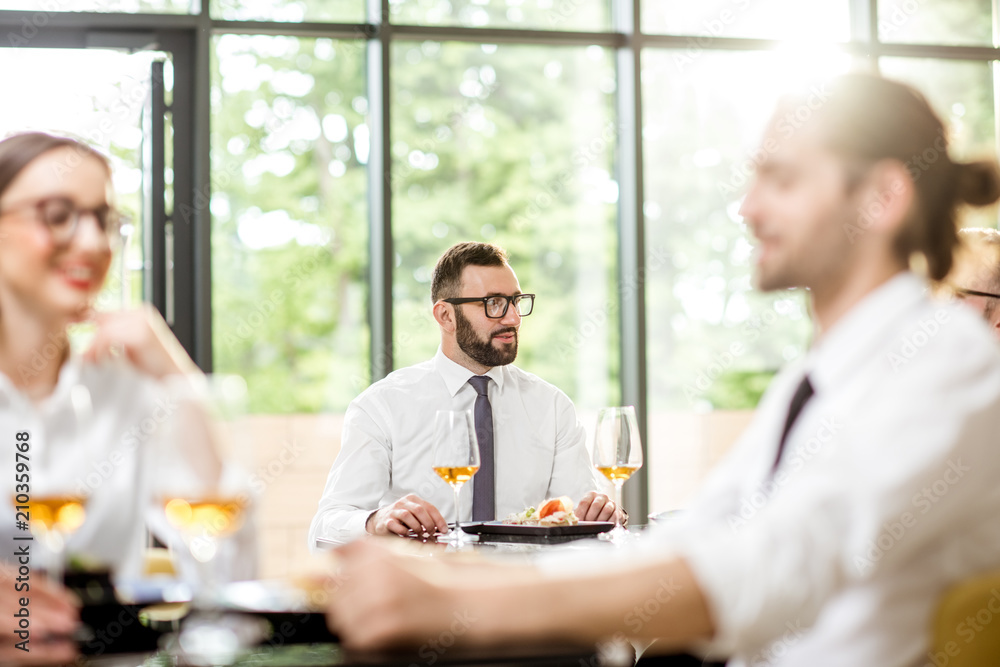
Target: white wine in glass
(456,460)
(53,518)
(617,455)
(205,512)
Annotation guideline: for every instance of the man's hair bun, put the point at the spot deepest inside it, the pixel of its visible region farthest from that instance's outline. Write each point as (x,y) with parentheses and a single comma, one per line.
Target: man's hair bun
(977,183)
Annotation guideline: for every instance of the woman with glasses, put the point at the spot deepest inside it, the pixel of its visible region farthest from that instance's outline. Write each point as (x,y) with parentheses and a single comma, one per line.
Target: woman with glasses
(83,424)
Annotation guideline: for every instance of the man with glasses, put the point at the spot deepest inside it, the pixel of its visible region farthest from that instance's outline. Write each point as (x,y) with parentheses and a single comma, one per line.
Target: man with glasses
(861,491)
(532,446)
(976,277)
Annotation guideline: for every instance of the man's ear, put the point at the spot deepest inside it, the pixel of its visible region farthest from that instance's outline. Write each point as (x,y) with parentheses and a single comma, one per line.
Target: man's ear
(444,314)
(886,197)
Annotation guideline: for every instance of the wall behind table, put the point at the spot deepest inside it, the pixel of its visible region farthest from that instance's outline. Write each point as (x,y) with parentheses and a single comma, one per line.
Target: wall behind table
(688,445)
(294,454)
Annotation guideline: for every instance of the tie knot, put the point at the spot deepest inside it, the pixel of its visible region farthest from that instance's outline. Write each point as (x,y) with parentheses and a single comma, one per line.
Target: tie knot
(480,383)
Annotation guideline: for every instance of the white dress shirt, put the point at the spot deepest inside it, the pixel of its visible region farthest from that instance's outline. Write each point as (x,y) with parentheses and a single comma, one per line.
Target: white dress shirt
(887,492)
(100,453)
(387,446)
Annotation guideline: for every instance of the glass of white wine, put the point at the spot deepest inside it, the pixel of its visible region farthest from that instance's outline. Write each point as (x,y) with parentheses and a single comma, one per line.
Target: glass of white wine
(53,504)
(617,454)
(206,511)
(456,460)
(54,515)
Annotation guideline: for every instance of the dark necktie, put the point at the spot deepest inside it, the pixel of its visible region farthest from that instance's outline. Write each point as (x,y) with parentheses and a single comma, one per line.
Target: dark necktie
(799,400)
(483,492)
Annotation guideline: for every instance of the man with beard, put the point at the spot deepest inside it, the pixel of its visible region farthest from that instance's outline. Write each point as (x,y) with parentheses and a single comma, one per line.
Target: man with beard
(383,482)
(866,484)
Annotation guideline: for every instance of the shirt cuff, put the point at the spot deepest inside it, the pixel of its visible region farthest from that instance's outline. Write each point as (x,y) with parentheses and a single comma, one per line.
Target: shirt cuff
(351,527)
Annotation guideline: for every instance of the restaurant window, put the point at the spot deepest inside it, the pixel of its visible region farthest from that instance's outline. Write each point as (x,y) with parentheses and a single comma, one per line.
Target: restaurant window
(713,341)
(512,145)
(508,122)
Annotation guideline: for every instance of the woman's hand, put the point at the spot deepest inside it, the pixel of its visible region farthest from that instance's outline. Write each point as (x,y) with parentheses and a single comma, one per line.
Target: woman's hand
(143,337)
(54,616)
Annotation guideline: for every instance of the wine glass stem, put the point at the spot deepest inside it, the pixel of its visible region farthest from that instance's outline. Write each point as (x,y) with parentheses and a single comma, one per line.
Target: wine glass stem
(618,502)
(458,489)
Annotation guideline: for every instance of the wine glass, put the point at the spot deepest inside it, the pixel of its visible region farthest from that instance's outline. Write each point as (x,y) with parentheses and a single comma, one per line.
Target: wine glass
(617,454)
(206,512)
(53,504)
(456,460)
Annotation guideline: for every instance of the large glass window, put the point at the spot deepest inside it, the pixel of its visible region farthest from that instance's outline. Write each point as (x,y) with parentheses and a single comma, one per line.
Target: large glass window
(531,14)
(292,11)
(289,242)
(515,145)
(99,96)
(505,125)
(963,94)
(713,341)
(967,22)
(40,20)
(824,20)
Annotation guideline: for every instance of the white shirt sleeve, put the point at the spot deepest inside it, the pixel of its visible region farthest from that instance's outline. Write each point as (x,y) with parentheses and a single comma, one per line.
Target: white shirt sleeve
(572,473)
(858,507)
(358,479)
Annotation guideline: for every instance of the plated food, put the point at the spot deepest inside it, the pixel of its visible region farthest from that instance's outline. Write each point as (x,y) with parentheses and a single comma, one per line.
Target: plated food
(552,512)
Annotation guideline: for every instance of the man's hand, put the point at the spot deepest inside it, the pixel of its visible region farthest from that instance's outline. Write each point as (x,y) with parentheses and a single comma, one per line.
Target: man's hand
(54,617)
(409,513)
(598,507)
(381,601)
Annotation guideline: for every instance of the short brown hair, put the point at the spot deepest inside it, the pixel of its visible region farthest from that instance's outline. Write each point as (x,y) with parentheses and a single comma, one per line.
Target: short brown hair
(446,281)
(866,119)
(20,150)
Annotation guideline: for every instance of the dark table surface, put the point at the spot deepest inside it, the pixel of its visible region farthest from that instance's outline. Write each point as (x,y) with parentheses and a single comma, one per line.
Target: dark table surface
(118,637)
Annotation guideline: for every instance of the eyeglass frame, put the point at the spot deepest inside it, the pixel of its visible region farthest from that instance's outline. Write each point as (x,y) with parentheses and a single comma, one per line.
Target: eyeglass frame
(109,220)
(971,292)
(483,299)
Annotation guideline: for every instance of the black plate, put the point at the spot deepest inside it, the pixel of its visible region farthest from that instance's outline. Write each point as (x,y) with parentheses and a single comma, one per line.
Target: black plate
(498,531)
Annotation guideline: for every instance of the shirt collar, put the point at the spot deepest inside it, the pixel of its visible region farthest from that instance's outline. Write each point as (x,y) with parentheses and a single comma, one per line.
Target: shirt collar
(456,376)
(852,338)
(70,374)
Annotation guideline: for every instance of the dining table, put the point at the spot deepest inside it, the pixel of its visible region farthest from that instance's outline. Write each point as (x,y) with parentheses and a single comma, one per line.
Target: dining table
(255,626)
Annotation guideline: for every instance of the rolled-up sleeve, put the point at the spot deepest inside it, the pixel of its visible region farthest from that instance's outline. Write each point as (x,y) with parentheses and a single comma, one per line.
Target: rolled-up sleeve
(358,479)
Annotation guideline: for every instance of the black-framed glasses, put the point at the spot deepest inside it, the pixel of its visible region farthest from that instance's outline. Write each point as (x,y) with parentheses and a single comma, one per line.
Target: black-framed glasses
(496,306)
(62,217)
(963,292)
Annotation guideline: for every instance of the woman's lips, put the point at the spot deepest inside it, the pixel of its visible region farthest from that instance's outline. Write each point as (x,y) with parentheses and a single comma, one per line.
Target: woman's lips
(78,277)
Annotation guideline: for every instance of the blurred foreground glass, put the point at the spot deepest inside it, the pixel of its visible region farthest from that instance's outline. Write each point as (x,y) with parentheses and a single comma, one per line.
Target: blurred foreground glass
(52,506)
(204,512)
(617,455)
(456,460)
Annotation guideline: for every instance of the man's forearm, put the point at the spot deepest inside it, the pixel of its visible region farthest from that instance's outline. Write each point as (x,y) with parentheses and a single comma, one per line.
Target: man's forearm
(661,601)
